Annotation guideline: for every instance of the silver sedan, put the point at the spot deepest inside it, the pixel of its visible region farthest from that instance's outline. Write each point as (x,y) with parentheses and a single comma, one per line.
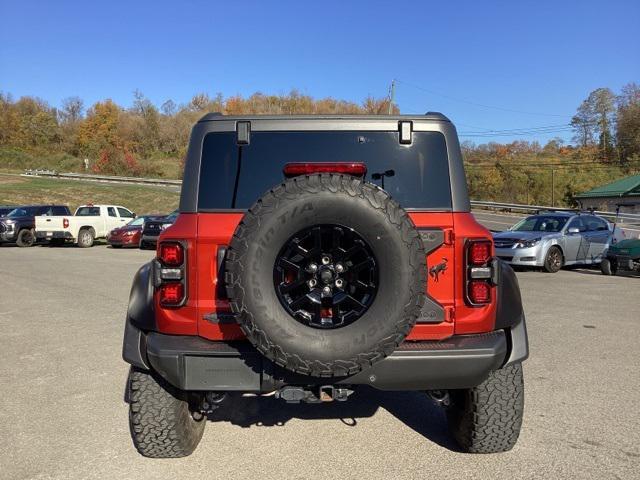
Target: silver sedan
(553,240)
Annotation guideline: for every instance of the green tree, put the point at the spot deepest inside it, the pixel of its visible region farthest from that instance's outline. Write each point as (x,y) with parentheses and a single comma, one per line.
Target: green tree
(628,122)
(596,117)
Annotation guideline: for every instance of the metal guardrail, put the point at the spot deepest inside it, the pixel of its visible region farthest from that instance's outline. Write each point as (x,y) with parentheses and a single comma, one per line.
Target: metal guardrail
(626,218)
(104,178)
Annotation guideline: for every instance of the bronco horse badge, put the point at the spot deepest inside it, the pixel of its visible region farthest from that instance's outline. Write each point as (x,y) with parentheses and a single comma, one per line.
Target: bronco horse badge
(436,270)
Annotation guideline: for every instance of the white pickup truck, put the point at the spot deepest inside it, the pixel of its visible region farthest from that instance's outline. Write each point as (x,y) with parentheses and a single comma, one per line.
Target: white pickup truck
(83,227)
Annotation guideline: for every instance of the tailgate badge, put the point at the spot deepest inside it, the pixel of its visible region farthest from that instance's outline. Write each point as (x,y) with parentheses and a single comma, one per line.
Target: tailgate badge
(437,269)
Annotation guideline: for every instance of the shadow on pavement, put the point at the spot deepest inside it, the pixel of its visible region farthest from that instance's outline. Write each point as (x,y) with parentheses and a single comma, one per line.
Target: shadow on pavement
(414,409)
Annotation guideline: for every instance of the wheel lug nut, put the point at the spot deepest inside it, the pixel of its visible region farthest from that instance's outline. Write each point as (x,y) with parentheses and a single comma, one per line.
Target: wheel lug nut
(313,268)
(339,268)
(326,290)
(312,283)
(326,260)
(339,283)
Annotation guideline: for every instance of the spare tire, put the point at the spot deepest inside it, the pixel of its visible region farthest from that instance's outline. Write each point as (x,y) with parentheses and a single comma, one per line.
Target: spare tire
(326,274)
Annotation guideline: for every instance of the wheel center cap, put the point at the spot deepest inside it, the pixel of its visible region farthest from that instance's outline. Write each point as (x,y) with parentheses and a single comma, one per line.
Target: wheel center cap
(326,275)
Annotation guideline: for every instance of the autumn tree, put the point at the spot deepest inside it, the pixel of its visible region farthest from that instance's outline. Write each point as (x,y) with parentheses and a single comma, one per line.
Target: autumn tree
(596,117)
(628,123)
(99,131)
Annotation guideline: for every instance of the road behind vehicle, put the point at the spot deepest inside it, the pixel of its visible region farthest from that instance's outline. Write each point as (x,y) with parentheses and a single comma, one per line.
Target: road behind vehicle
(554,239)
(18,225)
(290,272)
(154,227)
(88,223)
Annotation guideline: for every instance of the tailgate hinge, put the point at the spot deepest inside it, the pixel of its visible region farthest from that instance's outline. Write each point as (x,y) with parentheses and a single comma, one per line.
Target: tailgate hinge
(449,236)
(449,314)
(243,133)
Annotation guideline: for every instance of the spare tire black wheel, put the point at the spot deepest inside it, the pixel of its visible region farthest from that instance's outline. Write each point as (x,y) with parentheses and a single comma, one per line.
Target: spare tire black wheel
(326,274)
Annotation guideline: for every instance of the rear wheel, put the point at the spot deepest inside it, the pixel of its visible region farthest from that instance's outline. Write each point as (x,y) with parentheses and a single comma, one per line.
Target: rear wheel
(26,238)
(161,420)
(488,418)
(85,238)
(607,267)
(553,260)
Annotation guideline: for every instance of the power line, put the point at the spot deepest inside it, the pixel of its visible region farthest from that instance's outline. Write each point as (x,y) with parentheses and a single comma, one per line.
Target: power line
(482,105)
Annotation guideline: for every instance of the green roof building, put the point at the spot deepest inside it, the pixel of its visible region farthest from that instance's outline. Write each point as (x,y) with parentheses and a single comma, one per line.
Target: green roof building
(606,197)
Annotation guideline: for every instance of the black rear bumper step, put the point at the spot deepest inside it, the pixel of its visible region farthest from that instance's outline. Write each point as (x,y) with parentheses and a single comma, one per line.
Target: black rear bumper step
(193,363)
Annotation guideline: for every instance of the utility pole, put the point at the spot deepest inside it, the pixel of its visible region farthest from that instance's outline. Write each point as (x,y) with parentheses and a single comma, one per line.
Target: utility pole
(392,95)
(553,187)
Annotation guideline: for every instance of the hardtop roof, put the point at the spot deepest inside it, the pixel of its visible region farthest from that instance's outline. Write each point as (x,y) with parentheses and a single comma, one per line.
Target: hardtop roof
(429,116)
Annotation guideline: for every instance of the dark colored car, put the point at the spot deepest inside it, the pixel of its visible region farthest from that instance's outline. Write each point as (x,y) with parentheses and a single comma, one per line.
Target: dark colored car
(5,209)
(130,234)
(19,224)
(291,271)
(153,228)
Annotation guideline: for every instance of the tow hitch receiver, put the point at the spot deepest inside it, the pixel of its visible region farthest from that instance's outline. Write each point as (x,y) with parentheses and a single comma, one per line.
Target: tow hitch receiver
(325,393)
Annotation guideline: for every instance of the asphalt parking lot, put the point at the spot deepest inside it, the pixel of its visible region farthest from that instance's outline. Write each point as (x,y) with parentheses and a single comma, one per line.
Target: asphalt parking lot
(62,413)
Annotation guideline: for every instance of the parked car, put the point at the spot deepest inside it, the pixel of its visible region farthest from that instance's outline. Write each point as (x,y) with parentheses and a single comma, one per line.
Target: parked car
(85,225)
(130,234)
(5,209)
(291,271)
(554,239)
(153,228)
(18,225)
(622,254)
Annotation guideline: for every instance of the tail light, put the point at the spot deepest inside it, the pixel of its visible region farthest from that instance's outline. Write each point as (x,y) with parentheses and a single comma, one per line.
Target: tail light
(171,254)
(479,275)
(65,223)
(171,274)
(479,252)
(171,294)
(349,168)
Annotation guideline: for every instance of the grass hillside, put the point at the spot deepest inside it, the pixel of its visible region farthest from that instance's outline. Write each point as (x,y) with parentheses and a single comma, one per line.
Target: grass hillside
(13,160)
(17,190)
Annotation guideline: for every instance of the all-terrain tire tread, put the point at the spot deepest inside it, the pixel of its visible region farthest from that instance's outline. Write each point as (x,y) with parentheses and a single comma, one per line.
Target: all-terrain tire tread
(160,421)
(268,204)
(488,418)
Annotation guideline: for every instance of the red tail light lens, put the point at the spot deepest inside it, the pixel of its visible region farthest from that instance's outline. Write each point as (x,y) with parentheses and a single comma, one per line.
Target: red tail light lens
(479,252)
(171,254)
(479,292)
(65,223)
(296,169)
(171,294)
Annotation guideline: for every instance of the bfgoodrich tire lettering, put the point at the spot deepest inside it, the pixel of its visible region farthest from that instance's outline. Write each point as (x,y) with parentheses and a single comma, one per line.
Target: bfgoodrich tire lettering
(160,420)
(488,418)
(326,199)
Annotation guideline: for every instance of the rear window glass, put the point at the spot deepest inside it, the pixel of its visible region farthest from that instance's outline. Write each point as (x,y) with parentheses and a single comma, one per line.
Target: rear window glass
(88,212)
(416,175)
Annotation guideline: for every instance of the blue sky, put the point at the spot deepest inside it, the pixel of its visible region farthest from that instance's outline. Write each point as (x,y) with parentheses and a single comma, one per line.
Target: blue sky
(538,57)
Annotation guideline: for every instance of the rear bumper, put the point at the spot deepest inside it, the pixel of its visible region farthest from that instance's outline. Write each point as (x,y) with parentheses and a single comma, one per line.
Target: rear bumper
(193,363)
(44,235)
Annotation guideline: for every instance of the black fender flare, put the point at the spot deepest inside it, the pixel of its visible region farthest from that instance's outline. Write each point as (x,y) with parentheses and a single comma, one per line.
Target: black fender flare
(509,312)
(140,317)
